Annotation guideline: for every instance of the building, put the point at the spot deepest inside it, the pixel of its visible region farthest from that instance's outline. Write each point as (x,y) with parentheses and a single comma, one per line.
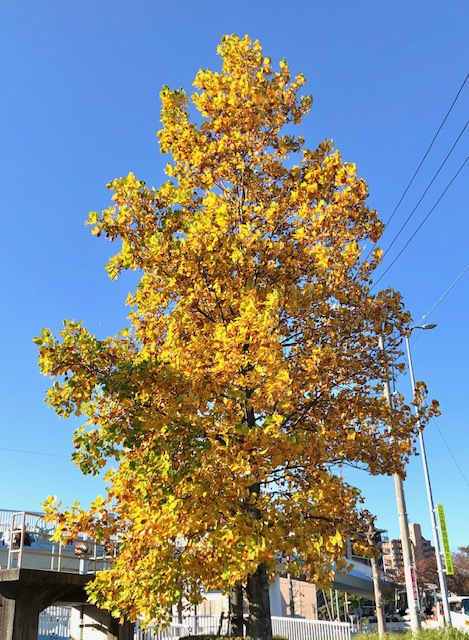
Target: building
(393,562)
(421,548)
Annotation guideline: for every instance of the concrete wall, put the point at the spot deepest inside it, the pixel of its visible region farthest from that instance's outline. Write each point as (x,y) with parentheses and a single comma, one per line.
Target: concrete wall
(90,623)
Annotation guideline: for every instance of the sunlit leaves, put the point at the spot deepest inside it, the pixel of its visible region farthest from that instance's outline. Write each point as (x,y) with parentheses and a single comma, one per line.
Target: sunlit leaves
(250,369)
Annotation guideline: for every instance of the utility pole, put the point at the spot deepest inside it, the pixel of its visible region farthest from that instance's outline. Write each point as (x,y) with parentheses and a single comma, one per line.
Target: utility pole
(409,569)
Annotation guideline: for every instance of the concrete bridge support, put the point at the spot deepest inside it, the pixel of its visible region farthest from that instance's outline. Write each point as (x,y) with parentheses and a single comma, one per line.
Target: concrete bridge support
(90,623)
(24,593)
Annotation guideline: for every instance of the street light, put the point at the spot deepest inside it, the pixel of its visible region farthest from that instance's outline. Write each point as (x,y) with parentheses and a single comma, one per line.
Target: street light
(436,539)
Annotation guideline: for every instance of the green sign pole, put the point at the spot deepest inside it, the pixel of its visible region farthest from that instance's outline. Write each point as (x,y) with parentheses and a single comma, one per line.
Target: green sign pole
(444,537)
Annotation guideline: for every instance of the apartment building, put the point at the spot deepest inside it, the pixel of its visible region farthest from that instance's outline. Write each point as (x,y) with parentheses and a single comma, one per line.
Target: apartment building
(391,549)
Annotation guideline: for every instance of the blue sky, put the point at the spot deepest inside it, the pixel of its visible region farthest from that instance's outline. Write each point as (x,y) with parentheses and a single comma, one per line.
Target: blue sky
(79,106)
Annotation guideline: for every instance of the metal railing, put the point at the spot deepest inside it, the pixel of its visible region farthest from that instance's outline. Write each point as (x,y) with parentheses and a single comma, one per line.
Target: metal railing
(55,622)
(302,629)
(291,628)
(26,543)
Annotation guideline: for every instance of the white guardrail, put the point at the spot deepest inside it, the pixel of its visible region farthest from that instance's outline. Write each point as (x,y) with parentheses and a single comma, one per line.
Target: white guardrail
(291,628)
(55,622)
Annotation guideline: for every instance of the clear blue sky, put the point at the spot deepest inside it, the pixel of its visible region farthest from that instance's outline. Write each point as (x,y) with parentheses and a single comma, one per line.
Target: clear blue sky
(79,106)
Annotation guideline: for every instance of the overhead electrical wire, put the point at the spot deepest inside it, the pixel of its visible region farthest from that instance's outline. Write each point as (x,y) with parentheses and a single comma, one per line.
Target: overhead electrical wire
(426,190)
(427,315)
(451,453)
(424,156)
(35,453)
(429,148)
(421,224)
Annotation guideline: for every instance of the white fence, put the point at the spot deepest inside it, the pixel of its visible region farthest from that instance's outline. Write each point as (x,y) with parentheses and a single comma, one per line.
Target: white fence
(173,632)
(291,628)
(55,622)
(301,629)
(191,625)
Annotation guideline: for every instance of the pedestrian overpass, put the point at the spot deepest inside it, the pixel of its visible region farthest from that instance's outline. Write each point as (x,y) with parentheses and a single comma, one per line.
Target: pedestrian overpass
(36,573)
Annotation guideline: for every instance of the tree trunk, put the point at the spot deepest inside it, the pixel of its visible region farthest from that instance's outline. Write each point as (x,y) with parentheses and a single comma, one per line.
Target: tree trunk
(259,626)
(378,598)
(257,591)
(237,610)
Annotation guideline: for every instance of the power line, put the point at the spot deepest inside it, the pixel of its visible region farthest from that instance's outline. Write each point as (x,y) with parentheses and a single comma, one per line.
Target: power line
(428,150)
(451,453)
(424,317)
(426,190)
(425,156)
(36,453)
(421,224)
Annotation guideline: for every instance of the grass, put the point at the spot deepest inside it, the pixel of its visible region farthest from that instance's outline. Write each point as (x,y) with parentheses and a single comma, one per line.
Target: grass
(424,634)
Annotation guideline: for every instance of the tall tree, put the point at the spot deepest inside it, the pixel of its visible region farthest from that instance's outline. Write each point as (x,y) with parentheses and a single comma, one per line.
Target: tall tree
(458,582)
(250,368)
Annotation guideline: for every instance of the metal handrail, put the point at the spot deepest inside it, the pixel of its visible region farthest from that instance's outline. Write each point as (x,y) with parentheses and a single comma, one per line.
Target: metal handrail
(19,527)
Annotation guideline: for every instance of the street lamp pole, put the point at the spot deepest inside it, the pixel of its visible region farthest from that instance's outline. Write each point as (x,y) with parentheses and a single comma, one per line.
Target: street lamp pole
(409,569)
(431,506)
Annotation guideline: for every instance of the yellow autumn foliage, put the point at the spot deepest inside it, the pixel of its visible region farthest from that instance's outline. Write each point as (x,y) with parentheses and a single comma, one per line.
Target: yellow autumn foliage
(250,368)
